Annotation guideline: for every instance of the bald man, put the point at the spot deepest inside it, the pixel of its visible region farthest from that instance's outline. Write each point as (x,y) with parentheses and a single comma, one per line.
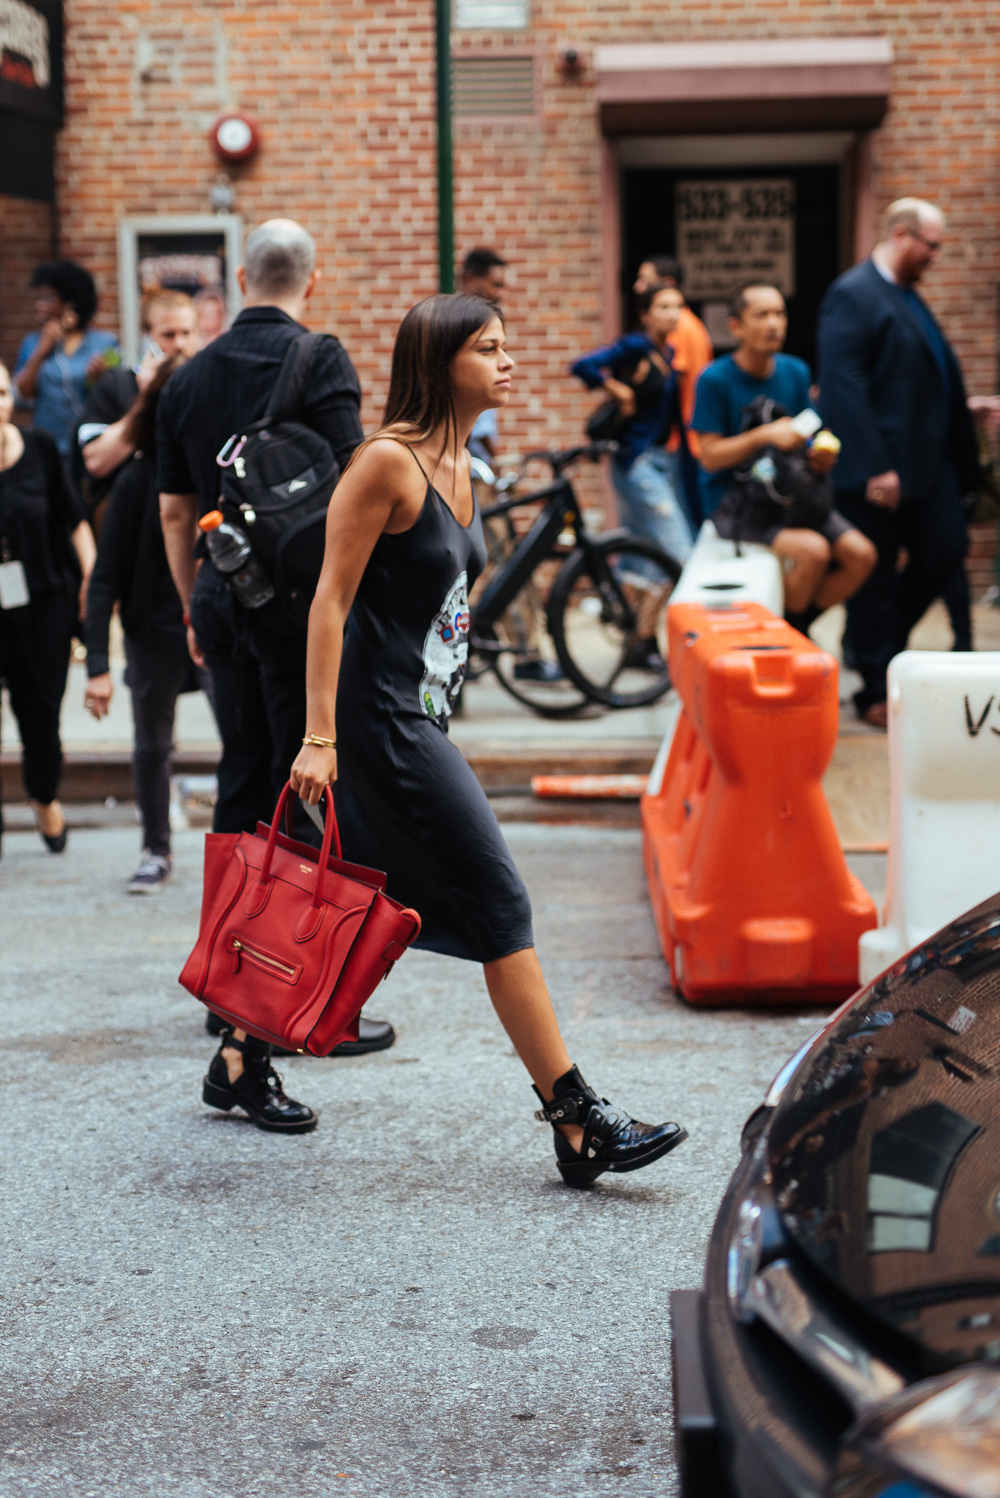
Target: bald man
(892,390)
(257,663)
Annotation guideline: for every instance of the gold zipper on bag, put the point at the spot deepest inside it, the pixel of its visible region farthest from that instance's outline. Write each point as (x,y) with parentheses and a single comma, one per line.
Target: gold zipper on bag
(240,949)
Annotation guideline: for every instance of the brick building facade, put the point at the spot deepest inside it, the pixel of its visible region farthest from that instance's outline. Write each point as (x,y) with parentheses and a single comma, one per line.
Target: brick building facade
(343,91)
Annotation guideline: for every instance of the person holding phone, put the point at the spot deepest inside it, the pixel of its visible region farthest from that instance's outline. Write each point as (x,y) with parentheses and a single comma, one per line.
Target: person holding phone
(57,365)
(637,372)
(822,564)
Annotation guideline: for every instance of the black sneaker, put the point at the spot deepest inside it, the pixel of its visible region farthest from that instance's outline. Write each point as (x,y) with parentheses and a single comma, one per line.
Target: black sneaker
(151,875)
(644,655)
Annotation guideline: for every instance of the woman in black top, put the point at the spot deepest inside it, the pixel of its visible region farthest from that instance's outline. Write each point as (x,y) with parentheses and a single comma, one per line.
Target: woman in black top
(404,546)
(131,570)
(46,555)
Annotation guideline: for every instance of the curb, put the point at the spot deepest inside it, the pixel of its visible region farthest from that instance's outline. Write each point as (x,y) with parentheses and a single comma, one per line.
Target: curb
(94,777)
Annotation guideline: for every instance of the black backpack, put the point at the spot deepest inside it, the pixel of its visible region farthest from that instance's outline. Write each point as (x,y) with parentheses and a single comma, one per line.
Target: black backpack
(276,480)
(775,487)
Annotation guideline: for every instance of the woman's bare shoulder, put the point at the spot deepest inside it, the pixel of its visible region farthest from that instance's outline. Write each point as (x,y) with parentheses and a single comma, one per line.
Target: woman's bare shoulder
(387,457)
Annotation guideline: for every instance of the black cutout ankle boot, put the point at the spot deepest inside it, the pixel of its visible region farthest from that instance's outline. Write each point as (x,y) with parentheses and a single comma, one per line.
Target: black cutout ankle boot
(612,1140)
(257,1091)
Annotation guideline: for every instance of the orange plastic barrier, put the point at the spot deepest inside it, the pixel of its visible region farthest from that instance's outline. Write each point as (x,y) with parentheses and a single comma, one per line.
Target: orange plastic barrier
(752,898)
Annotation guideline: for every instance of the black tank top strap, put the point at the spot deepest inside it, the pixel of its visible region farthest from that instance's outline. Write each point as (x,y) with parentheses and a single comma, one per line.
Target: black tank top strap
(420,465)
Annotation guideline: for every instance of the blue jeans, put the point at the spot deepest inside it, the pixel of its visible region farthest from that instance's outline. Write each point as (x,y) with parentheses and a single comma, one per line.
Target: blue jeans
(647,500)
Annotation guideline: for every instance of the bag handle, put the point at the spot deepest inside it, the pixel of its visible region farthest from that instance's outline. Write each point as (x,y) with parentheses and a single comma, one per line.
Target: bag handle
(290,822)
(329,829)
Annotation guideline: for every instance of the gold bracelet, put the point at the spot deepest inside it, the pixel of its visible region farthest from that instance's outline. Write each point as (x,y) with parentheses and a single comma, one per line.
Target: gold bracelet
(321,743)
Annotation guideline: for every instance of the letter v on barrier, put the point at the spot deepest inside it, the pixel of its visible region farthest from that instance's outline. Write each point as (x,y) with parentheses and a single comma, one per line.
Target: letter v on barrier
(973,728)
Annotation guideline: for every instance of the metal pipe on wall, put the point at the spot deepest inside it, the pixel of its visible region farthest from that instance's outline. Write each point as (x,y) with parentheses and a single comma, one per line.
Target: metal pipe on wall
(445,184)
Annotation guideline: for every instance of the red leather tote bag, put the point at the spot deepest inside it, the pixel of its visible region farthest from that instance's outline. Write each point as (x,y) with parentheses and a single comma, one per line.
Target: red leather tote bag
(292,942)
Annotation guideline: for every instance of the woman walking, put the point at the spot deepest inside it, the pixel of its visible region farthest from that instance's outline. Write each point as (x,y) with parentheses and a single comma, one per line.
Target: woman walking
(131,570)
(404,546)
(637,372)
(46,556)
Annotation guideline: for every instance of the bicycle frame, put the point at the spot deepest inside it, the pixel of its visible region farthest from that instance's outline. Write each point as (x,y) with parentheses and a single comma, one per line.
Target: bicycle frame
(562,511)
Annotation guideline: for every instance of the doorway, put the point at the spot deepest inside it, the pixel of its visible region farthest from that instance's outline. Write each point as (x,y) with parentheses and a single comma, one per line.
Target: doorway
(783,222)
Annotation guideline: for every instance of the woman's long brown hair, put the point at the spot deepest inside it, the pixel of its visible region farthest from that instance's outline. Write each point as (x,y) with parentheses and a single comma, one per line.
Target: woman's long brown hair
(420,399)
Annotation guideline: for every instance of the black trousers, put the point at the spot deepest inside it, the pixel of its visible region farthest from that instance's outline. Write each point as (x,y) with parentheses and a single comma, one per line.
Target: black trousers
(882,613)
(259,693)
(34,659)
(159,669)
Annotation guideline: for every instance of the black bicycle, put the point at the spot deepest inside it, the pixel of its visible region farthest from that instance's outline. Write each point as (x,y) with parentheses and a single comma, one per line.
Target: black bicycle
(567,619)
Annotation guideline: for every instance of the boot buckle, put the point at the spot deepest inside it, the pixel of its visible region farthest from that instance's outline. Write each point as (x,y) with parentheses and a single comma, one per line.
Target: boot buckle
(563,1110)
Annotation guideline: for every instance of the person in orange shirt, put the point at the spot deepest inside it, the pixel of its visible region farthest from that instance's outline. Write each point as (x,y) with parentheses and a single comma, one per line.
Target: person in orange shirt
(692,351)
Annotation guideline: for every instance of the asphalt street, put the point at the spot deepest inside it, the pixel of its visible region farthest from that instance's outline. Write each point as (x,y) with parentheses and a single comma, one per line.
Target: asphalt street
(406,1302)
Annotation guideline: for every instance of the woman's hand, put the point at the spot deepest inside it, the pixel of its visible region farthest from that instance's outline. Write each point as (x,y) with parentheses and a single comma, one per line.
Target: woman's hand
(49,338)
(314,769)
(623,394)
(97,695)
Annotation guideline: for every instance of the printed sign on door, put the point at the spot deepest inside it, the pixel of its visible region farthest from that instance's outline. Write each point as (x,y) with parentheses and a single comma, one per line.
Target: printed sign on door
(730,231)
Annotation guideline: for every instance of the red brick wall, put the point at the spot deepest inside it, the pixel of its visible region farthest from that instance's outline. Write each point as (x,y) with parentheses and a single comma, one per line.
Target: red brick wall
(344,95)
(25,239)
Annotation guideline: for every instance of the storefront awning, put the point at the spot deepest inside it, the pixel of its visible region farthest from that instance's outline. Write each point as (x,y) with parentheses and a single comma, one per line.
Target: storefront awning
(792,83)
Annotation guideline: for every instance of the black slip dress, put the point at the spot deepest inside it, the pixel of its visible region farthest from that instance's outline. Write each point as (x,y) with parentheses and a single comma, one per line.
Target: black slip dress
(406,799)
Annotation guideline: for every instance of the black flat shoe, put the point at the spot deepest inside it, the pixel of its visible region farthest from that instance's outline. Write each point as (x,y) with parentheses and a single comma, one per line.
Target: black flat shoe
(373,1035)
(258,1091)
(55,844)
(612,1140)
(216,1026)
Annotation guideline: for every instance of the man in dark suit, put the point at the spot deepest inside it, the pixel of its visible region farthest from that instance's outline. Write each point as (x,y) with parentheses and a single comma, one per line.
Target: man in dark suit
(892,390)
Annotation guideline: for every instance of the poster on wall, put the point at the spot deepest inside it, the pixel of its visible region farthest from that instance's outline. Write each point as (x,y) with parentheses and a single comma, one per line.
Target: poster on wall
(196,254)
(31,59)
(729,231)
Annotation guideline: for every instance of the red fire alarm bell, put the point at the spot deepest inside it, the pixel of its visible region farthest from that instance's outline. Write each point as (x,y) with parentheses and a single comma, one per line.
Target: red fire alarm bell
(235,137)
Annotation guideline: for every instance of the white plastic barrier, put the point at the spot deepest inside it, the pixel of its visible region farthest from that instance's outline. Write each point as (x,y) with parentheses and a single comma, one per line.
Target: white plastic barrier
(944,797)
(714,573)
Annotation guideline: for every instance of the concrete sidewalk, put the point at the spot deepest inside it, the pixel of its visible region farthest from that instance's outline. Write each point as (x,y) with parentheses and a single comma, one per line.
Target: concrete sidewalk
(505,743)
(406,1303)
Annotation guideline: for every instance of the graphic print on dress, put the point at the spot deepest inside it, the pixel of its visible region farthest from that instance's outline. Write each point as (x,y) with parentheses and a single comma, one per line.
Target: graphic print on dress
(446,650)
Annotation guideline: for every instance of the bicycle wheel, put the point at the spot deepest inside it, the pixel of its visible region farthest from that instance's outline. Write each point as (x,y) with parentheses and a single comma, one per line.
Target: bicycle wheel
(518,648)
(525,664)
(608,619)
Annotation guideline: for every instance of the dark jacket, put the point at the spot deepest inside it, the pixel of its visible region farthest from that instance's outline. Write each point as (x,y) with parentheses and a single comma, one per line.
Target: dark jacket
(131,568)
(107,403)
(656,397)
(882,390)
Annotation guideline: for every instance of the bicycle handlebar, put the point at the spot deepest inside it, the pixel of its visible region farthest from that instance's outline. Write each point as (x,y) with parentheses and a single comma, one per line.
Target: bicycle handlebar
(557,461)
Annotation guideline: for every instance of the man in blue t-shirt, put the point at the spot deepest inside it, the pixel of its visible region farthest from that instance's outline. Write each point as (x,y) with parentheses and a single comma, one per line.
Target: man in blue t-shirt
(825,564)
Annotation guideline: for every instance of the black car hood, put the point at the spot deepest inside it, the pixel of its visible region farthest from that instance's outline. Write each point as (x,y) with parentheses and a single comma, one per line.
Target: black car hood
(885,1147)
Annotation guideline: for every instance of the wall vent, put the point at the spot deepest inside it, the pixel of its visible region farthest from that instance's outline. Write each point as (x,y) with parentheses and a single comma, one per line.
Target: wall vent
(490,15)
(493,85)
